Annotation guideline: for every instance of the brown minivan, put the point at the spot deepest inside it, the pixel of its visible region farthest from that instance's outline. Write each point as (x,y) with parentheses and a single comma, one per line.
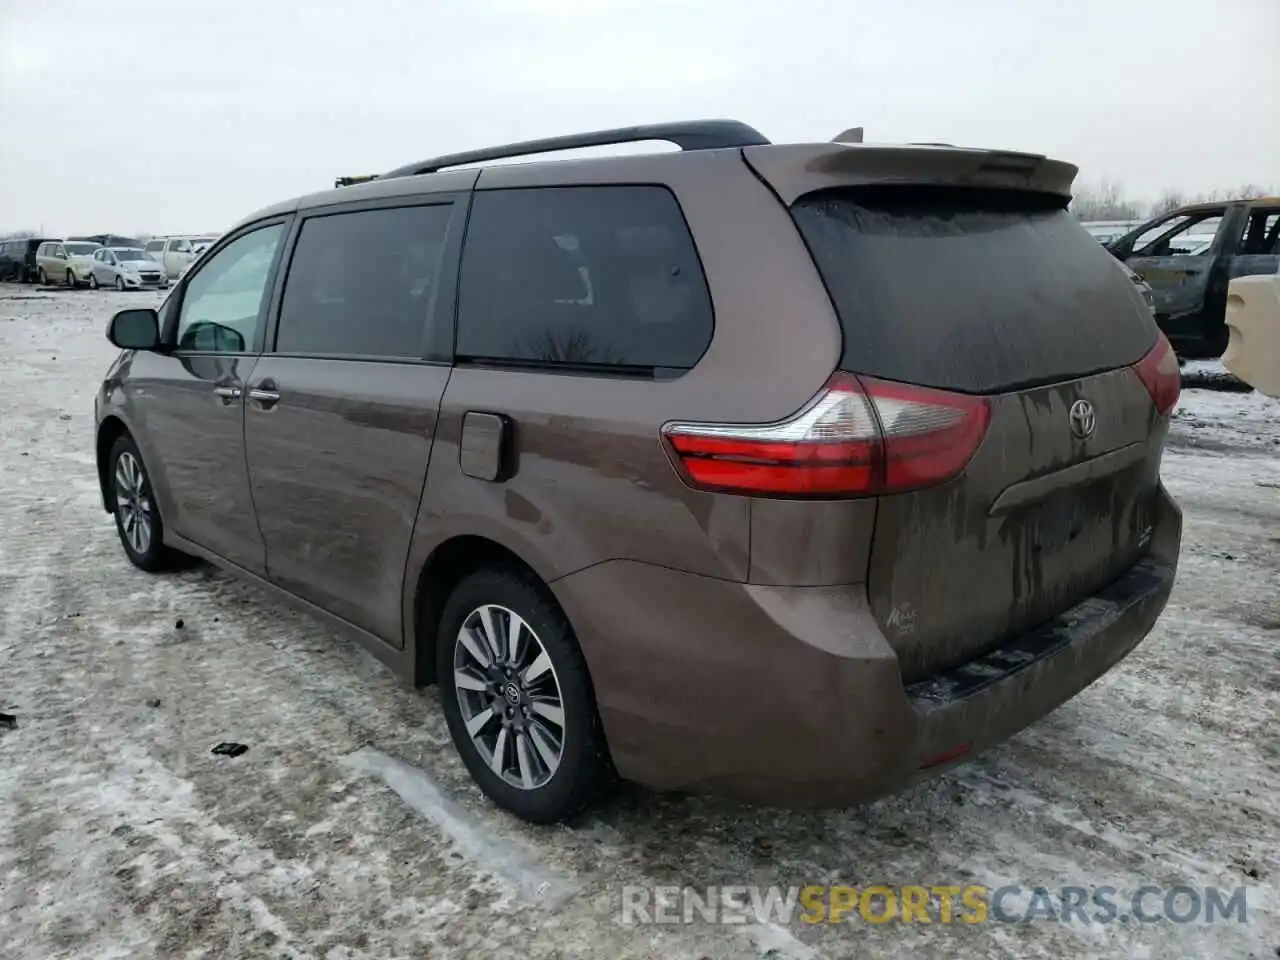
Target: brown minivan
(785,472)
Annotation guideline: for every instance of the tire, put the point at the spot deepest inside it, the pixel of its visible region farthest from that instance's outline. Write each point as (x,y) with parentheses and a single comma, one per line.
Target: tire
(44,278)
(529,786)
(93,281)
(120,283)
(125,467)
(71,280)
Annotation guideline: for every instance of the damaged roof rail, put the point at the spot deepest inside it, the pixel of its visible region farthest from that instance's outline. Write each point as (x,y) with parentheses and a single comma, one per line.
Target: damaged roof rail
(348,181)
(687,135)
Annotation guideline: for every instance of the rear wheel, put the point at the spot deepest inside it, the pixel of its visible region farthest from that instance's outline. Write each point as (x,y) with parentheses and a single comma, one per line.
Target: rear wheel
(137,520)
(44,278)
(518,699)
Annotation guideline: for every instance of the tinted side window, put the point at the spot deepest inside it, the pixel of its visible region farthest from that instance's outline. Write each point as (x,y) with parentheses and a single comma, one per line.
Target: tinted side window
(597,278)
(362,284)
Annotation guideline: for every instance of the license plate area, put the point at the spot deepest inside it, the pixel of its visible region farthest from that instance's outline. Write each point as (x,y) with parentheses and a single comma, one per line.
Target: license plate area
(1058,521)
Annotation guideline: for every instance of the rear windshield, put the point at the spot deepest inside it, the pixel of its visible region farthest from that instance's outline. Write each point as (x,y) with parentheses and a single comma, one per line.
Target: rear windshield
(974,291)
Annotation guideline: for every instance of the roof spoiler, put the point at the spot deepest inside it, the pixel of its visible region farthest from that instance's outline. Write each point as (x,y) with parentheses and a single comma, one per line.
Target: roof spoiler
(795,170)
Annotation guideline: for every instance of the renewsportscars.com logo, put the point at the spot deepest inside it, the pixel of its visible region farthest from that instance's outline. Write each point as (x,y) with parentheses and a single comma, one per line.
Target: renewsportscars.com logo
(968,904)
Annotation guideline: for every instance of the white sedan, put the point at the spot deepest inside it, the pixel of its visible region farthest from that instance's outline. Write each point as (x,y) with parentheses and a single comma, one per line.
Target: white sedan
(126,268)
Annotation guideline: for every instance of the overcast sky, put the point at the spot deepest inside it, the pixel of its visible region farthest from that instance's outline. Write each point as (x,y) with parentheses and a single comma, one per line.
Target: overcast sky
(184,115)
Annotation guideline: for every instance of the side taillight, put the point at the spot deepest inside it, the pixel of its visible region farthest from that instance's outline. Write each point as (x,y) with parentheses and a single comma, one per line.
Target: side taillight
(1159,373)
(858,437)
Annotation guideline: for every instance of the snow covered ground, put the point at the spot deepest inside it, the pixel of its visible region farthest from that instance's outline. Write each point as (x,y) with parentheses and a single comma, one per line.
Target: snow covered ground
(350,830)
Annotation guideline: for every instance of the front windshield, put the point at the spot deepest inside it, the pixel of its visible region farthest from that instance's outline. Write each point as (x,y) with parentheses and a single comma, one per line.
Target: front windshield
(81,249)
(131,254)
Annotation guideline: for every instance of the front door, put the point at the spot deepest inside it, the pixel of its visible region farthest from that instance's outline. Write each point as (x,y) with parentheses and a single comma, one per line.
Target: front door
(191,398)
(1183,256)
(341,410)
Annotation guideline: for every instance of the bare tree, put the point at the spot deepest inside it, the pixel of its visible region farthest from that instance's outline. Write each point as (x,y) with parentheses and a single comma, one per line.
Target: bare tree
(1167,202)
(1172,199)
(574,346)
(1104,200)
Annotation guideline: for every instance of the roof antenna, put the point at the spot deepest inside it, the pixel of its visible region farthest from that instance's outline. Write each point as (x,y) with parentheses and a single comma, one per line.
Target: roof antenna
(852,135)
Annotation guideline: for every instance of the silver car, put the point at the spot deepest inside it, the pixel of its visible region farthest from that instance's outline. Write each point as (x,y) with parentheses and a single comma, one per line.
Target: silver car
(126,268)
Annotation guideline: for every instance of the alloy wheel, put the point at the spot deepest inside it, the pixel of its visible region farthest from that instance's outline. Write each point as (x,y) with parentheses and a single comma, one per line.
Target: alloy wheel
(133,502)
(509,696)
(120,283)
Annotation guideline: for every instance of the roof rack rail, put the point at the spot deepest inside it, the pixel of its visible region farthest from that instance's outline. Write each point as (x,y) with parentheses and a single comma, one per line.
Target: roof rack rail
(687,135)
(348,181)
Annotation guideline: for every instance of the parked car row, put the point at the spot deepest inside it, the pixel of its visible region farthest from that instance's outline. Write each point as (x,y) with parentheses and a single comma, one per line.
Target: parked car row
(103,260)
(83,263)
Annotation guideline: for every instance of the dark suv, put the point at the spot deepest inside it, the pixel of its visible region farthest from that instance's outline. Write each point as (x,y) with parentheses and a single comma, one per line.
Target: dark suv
(18,259)
(786,472)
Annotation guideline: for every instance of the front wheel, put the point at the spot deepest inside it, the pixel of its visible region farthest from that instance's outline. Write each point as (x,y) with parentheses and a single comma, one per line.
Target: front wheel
(137,520)
(518,699)
(120,283)
(44,278)
(93,281)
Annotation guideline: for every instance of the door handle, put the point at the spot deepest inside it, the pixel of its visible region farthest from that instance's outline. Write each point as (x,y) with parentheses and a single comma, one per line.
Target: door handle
(228,393)
(266,398)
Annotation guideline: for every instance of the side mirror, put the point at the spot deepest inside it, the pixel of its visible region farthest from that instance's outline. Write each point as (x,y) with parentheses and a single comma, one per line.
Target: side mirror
(135,330)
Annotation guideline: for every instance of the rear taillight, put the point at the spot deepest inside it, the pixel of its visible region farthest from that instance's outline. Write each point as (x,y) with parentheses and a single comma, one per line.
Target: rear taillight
(858,437)
(1159,373)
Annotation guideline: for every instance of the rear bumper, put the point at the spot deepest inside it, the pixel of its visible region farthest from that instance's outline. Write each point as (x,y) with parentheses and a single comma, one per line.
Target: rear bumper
(792,696)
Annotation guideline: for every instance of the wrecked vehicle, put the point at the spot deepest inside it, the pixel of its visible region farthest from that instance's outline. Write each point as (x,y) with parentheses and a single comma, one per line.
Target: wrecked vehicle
(1189,277)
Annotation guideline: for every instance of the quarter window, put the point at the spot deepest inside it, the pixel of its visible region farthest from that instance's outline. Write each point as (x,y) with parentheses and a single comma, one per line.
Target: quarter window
(364,283)
(601,279)
(222,306)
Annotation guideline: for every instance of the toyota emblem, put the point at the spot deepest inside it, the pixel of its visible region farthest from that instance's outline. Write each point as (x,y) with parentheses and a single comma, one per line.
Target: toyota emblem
(1082,419)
